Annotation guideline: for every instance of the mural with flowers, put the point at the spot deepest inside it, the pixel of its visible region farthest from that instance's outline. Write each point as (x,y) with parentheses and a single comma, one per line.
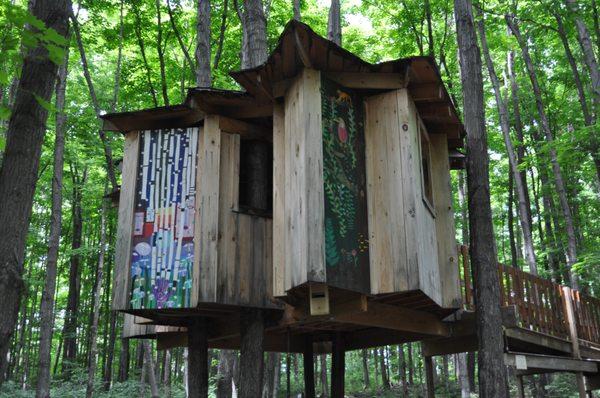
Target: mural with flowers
(162,250)
(346,234)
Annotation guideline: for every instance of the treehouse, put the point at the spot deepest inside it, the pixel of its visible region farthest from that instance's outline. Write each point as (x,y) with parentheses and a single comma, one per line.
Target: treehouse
(325,182)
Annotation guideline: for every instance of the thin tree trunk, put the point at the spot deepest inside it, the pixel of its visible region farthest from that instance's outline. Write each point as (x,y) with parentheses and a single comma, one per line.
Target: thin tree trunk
(430,43)
(88,78)
(108,366)
(463,375)
(297,15)
(20,163)
(385,380)
(365,366)
(225,373)
(492,373)
(72,310)
(562,34)
(149,366)
(334,24)
(96,304)
(47,304)
(559,182)
(520,184)
(323,376)
(137,27)
(221,35)
(203,78)
(161,55)
(177,33)
(514,257)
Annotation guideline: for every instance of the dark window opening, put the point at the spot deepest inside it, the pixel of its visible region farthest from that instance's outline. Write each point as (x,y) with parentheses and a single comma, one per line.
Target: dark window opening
(426,168)
(256,178)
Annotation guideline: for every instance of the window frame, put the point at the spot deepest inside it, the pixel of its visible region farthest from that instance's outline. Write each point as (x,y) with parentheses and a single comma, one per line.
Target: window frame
(425,159)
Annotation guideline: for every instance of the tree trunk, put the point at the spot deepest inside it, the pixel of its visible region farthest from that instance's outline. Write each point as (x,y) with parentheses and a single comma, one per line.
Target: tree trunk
(225,373)
(271,375)
(511,222)
(110,351)
(465,388)
(520,184)
(177,33)
(96,304)
(411,367)
(124,361)
(47,304)
(492,373)
(251,353)
(137,28)
(198,358)
(365,365)
(149,368)
(161,55)
(20,163)
(385,380)
(560,185)
(297,15)
(323,375)
(338,367)
(334,23)
(203,78)
(221,35)
(72,310)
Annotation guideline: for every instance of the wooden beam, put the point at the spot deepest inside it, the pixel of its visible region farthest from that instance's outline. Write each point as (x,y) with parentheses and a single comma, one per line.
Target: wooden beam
(427,92)
(538,339)
(549,363)
(572,326)
(452,345)
(245,129)
(396,318)
(362,80)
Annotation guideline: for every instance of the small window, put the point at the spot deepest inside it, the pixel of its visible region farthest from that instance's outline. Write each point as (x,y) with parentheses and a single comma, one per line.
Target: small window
(427,185)
(256,178)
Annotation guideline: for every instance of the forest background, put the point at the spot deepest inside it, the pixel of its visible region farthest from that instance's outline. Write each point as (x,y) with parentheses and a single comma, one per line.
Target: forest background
(143,53)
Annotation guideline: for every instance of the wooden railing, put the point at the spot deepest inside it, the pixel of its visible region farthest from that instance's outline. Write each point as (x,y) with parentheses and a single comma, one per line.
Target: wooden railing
(540,303)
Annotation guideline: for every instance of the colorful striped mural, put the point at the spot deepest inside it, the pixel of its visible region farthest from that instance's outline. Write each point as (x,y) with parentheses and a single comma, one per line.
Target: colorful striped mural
(162,251)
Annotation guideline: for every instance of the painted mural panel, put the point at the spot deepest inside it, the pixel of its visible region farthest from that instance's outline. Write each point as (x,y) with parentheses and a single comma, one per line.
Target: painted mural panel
(162,247)
(344,174)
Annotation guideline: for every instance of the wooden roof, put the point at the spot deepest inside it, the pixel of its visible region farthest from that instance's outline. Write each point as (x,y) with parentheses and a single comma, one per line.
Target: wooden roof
(299,47)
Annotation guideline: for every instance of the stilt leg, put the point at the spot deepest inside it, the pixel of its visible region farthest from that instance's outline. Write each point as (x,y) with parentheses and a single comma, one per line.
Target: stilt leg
(520,387)
(198,359)
(338,367)
(251,353)
(429,377)
(309,369)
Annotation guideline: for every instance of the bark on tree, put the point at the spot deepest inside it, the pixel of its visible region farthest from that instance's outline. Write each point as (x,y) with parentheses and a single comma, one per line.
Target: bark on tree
(198,358)
(203,78)
(323,376)
(334,23)
(161,54)
(465,388)
(559,182)
(137,28)
(124,361)
(492,373)
(150,368)
(251,353)
(225,373)
(520,184)
(20,163)
(221,35)
(297,15)
(47,303)
(96,303)
(365,367)
(385,380)
(254,48)
(271,375)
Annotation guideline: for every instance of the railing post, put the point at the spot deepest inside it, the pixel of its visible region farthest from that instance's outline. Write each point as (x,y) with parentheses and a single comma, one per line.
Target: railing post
(572,326)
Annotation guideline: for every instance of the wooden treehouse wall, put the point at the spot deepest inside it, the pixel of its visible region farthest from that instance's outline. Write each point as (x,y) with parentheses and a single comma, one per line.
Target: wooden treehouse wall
(323,154)
(229,253)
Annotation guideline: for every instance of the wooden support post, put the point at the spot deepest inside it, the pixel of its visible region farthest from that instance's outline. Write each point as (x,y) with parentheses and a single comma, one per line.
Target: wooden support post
(572,324)
(338,366)
(520,386)
(197,375)
(429,377)
(251,353)
(309,369)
